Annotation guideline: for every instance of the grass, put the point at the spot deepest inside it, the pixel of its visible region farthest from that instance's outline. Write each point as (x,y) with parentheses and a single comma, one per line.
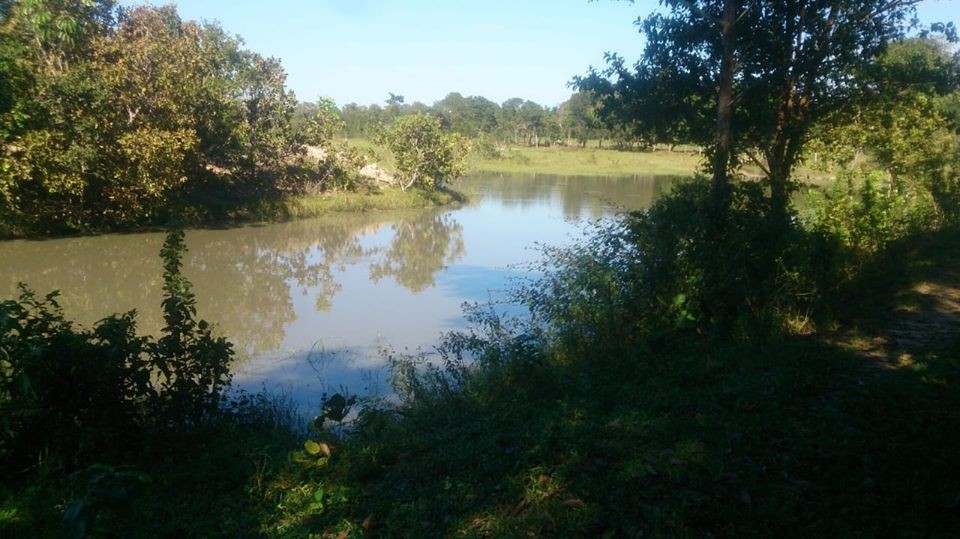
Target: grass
(391,198)
(593,161)
(569,161)
(572,161)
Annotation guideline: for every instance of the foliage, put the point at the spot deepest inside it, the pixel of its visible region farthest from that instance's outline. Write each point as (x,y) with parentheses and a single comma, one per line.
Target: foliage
(867,211)
(110,118)
(579,115)
(68,393)
(780,69)
(76,394)
(905,124)
(516,120)
(424,156)
(508,433)
(649,271)
(325,123)
(191,364)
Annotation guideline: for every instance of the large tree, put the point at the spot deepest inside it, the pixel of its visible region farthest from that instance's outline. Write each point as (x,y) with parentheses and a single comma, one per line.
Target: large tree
(757,74)
(110,116)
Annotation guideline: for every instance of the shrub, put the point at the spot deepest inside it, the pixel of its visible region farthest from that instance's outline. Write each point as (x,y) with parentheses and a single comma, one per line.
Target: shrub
(76,394)
(652,275)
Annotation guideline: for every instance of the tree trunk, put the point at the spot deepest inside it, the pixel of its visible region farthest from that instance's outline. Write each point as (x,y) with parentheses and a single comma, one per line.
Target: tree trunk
(723,141)
(719,297)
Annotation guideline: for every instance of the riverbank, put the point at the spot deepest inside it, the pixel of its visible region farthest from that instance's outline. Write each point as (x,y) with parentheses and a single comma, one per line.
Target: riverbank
(847,433)
(221,212)
(572,161)
(384,199)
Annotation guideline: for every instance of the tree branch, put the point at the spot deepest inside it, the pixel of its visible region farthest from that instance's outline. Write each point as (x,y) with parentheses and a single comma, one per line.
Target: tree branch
(699,11)
(757,162)
(743,13)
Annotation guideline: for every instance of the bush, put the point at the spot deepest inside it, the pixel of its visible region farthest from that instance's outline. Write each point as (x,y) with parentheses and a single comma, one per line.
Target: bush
(74,394)
(656,274)
(68,392)
(866,210)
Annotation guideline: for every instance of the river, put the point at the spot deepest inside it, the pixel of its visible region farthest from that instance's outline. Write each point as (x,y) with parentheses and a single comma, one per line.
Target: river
(313,305)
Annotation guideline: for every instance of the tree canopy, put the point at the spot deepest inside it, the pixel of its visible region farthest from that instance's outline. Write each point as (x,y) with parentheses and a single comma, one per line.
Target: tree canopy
(425,156)
(777,68)
(110,117)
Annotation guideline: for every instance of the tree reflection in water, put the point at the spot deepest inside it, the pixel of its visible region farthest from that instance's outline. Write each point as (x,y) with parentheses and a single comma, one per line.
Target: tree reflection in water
(245,277)
(255,282)
(420,248)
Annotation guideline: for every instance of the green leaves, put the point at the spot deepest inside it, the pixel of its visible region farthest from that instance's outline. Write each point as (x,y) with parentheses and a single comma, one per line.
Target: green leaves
(424,156)
(78,394)
(111,119)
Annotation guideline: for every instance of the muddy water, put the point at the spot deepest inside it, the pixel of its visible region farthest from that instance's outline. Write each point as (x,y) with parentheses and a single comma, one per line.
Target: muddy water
(312,304)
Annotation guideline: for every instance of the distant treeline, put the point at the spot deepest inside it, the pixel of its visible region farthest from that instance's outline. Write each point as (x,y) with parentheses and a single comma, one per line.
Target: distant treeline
(516,120)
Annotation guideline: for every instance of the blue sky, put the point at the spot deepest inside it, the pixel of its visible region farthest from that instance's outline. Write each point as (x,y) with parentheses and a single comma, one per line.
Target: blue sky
(358,50)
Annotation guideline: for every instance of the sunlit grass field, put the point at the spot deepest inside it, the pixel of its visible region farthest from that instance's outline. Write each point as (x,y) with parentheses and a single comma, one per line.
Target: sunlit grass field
(592,161)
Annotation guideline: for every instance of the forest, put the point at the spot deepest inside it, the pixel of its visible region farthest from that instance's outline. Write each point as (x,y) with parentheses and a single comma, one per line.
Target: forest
(752,353)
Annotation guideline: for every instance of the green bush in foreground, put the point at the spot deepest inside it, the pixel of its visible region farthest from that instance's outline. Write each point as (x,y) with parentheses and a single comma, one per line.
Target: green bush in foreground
(76,395)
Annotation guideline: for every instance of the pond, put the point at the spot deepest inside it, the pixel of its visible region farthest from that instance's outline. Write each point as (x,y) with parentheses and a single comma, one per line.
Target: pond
(313,305)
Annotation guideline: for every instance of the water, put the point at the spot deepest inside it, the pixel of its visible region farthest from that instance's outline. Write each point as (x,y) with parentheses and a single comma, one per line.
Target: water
(311,305)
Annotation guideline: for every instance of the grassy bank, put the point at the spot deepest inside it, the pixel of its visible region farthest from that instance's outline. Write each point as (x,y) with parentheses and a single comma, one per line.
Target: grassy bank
(593,161)
(569,161)
(851,433)
(222,211)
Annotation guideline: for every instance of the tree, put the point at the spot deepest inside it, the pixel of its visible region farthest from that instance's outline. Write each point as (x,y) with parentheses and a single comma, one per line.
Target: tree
(324,123)
(580,117)
(425,156)
(269,107)
(745,77)
(109,116)
(769,70)
(509,118)
(903,120)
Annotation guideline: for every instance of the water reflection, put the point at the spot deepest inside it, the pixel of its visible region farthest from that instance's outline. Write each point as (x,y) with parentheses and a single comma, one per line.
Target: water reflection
(578,197)
(420,248)
(343,286)
(245,278)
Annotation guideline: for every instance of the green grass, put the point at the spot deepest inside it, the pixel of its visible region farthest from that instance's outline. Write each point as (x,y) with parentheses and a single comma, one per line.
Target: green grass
(593,161)
(391,198)
(569,161)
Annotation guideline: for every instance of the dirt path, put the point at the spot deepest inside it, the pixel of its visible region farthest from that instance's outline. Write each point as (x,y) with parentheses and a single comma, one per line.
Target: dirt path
(924,312)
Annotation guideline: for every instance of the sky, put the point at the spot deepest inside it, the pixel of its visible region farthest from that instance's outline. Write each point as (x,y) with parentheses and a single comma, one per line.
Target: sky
(359,50)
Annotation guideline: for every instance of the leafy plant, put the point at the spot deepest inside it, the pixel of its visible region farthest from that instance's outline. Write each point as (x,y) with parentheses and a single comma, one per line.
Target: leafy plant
(74,394)
(423,155)
(193,364)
